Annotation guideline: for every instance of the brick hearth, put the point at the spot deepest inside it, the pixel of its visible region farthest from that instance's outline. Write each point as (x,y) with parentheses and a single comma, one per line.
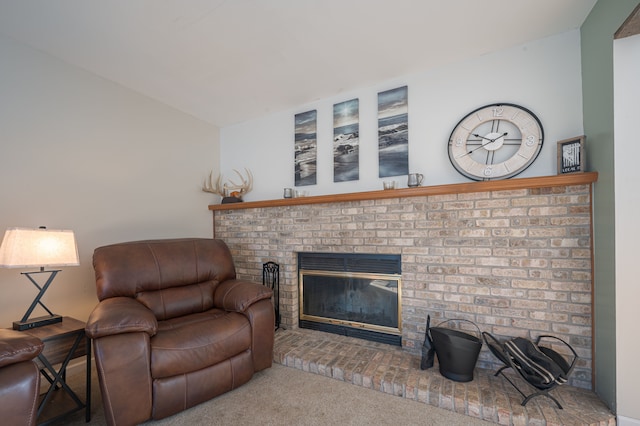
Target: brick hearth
(512,256)
(396,372)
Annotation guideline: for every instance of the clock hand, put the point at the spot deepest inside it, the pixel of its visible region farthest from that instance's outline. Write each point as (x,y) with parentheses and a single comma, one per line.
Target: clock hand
(501,136)
(481,137)
(490,142)
(477,148)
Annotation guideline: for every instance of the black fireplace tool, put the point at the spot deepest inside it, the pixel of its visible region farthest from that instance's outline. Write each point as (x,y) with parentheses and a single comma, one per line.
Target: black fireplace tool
(428,351)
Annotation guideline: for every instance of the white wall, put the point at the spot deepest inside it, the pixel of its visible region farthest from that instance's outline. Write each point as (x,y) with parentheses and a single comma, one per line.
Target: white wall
(82,153)
(627,177)
(543,76)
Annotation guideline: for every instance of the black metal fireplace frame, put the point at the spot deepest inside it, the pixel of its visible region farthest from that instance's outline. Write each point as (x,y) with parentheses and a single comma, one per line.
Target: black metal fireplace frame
(363,266)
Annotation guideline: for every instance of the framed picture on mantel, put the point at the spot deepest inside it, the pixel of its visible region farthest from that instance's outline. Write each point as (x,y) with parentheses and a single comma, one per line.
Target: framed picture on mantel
(571,155)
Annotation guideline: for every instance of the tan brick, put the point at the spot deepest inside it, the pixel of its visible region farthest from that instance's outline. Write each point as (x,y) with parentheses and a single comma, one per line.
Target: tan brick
(387,217)
(375,209)
(480,290)
(388,233)
(375,225)
(530,201)
(460,298)
(441,215)
(492,261)
(571,308)
(547,233)
(510,232)
(475,271)
(570,221)
(571,263)
(474,233)
(517,252)
(472,252)
(510,193)
(351,211)
(533,284)
(548,295)
(529,262)
(548,211)
(530,305)
(509,212)
(411,217)
(550,316)
(509,293)
(475,213)
(493,223)
(509,272)
(492,204)
(531,325)
(571,329)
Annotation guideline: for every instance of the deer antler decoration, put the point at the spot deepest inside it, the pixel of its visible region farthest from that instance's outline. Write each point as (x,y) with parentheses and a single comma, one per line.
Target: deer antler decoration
(229,188)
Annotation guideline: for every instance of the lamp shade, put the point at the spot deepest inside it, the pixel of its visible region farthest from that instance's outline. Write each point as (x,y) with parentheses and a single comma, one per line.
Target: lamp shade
(27,247)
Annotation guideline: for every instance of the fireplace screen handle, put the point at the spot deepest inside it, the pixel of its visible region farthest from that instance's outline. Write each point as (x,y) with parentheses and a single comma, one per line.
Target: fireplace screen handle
(271,279)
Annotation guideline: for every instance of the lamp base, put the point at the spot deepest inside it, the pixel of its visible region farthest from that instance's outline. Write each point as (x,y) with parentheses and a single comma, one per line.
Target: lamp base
(36,322)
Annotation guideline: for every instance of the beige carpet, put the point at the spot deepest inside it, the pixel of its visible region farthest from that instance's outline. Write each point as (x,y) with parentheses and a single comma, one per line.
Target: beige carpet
(287,396)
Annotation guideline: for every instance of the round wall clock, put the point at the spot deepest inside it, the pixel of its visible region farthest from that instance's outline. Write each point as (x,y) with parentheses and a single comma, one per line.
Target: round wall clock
(495,141)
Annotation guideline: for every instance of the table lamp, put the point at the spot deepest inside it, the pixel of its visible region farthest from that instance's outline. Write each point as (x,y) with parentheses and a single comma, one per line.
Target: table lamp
(27,248)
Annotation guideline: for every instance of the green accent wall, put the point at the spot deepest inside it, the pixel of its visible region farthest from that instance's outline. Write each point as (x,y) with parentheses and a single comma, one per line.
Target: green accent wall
(597,92)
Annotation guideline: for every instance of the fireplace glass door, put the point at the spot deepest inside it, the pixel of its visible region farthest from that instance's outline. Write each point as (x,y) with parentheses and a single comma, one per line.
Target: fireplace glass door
(359,300)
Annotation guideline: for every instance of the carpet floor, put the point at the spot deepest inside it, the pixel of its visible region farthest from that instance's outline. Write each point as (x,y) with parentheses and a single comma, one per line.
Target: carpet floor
(287,396)
(324,379)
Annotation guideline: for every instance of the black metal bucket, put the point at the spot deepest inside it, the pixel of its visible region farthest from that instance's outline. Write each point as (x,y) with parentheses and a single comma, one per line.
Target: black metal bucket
(457,351)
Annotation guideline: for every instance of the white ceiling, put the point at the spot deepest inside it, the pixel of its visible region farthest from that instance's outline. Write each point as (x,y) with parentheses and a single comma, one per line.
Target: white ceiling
(227,61)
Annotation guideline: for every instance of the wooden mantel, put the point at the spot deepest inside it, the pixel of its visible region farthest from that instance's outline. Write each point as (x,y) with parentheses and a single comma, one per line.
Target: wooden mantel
(457,188)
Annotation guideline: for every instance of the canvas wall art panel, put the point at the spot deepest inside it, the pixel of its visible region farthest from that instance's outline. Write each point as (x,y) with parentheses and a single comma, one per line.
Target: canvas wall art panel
(346,141)
(393,132)
(306,148)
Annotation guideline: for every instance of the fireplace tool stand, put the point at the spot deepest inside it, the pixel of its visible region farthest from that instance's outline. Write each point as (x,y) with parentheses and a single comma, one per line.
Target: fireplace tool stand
(271,279)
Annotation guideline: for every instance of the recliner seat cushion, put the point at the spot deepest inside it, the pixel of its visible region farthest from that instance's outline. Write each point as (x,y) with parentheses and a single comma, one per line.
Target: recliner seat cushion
(177,393)
(186,344)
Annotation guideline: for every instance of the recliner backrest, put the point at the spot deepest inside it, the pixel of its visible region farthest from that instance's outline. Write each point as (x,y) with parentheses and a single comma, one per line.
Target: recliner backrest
(171,277)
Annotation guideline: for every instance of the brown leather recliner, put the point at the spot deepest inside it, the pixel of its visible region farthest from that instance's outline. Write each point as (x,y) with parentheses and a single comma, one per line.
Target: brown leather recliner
(174,327)
(19,377)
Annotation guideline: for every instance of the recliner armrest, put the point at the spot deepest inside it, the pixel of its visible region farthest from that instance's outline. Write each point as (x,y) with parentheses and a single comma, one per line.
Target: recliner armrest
(16,346)
(238,295)
(119,315)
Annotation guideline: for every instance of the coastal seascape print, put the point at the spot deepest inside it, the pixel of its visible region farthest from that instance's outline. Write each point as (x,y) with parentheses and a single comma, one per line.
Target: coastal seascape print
(306,148)
(346,136)
(393,133)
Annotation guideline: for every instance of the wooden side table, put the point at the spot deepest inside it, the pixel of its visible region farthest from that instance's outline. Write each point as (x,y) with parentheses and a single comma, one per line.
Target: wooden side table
(63,342)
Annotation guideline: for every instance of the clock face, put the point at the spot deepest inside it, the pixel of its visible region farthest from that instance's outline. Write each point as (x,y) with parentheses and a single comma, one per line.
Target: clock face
(496,141)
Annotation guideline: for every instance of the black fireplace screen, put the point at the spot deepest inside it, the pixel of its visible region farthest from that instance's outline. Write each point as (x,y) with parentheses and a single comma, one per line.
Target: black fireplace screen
(353,294)
(362,300)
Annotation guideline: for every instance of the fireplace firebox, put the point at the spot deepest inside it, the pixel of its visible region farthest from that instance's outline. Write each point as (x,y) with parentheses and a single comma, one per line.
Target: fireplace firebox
(357,295)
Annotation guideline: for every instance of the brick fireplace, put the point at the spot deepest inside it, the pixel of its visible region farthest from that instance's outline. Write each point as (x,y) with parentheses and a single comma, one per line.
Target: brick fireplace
(513,256)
